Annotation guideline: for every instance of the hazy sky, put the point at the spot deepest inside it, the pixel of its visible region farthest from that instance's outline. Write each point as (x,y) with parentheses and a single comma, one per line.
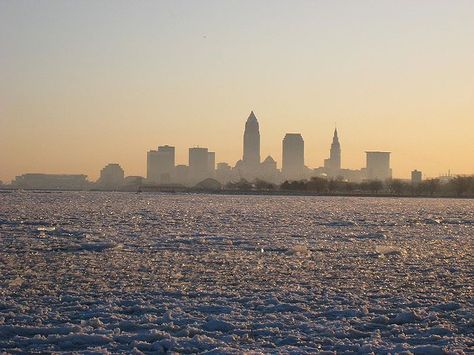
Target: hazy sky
(85,83)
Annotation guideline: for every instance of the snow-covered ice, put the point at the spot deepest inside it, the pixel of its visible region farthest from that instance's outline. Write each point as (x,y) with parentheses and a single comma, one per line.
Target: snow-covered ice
(120,272)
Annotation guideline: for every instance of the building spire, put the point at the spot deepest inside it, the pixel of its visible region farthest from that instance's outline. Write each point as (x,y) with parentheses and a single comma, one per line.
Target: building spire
(335,138)
(252,116)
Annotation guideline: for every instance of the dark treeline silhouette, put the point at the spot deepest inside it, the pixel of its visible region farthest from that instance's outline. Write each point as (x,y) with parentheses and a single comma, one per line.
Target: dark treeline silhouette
(459,186)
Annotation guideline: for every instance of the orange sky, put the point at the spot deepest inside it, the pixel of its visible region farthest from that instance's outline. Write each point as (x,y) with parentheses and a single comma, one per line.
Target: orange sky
(84,84)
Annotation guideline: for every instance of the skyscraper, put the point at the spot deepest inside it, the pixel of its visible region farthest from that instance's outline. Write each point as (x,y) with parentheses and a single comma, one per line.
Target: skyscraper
(293,156)
(378,166)
(335,152)
(251,157)
(211,160)
(199,167)
(160,164)
(333,164)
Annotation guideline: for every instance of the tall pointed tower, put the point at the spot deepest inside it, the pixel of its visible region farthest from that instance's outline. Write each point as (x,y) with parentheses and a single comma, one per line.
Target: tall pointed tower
(335,152)
(251,142)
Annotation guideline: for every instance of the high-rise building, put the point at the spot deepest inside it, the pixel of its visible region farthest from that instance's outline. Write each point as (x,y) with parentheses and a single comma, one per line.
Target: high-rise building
(378,166)
(211,159)
(111,176)
(152,166)
(181,173)
(293,157)
(416,177)
(333,164)
(198,164)
(251,157)
(160,164)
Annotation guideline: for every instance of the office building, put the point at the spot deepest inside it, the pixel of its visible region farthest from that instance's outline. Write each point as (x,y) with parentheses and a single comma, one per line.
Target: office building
(293,157)
(181,174)
(160,165)
(378,166)
(198,164)
(416,177)
(211,159)
(251,156)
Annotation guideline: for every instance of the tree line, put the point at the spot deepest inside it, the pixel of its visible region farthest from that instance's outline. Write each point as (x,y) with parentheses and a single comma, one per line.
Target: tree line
(459,186)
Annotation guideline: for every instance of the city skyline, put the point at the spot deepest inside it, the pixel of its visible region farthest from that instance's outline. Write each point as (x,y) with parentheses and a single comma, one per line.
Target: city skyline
(162,161)
(162,170)
(86,84)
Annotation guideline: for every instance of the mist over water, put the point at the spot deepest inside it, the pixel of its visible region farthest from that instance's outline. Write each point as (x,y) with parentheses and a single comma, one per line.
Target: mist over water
(159,272)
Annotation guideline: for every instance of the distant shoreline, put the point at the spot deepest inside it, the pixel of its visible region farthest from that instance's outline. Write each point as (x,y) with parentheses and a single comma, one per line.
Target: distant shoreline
(243,193)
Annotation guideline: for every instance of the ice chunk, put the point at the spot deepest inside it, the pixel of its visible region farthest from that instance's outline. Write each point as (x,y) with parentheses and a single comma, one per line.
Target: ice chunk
(428,350)
(16,282)
(389,250)
(299,249)
(46,229)
(376,235)
(218,325)
(405,317)
(100,246)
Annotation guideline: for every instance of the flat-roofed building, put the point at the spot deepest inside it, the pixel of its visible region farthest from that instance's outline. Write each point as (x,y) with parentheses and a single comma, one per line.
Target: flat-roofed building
(51,181)
(198,164)
(211,160)
(161,164)
(378,166)
(416,176)
(293,157)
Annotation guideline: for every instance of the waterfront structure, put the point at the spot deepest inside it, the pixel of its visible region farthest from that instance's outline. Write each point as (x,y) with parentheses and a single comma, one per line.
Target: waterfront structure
(416,177)
(209,184)
(51,182)
(111,176)
(333,164)
(293,157)
(133,180)
(161,164)
(378,166)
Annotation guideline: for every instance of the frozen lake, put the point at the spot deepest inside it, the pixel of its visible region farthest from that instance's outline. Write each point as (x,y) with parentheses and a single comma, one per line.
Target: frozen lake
(195,273)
